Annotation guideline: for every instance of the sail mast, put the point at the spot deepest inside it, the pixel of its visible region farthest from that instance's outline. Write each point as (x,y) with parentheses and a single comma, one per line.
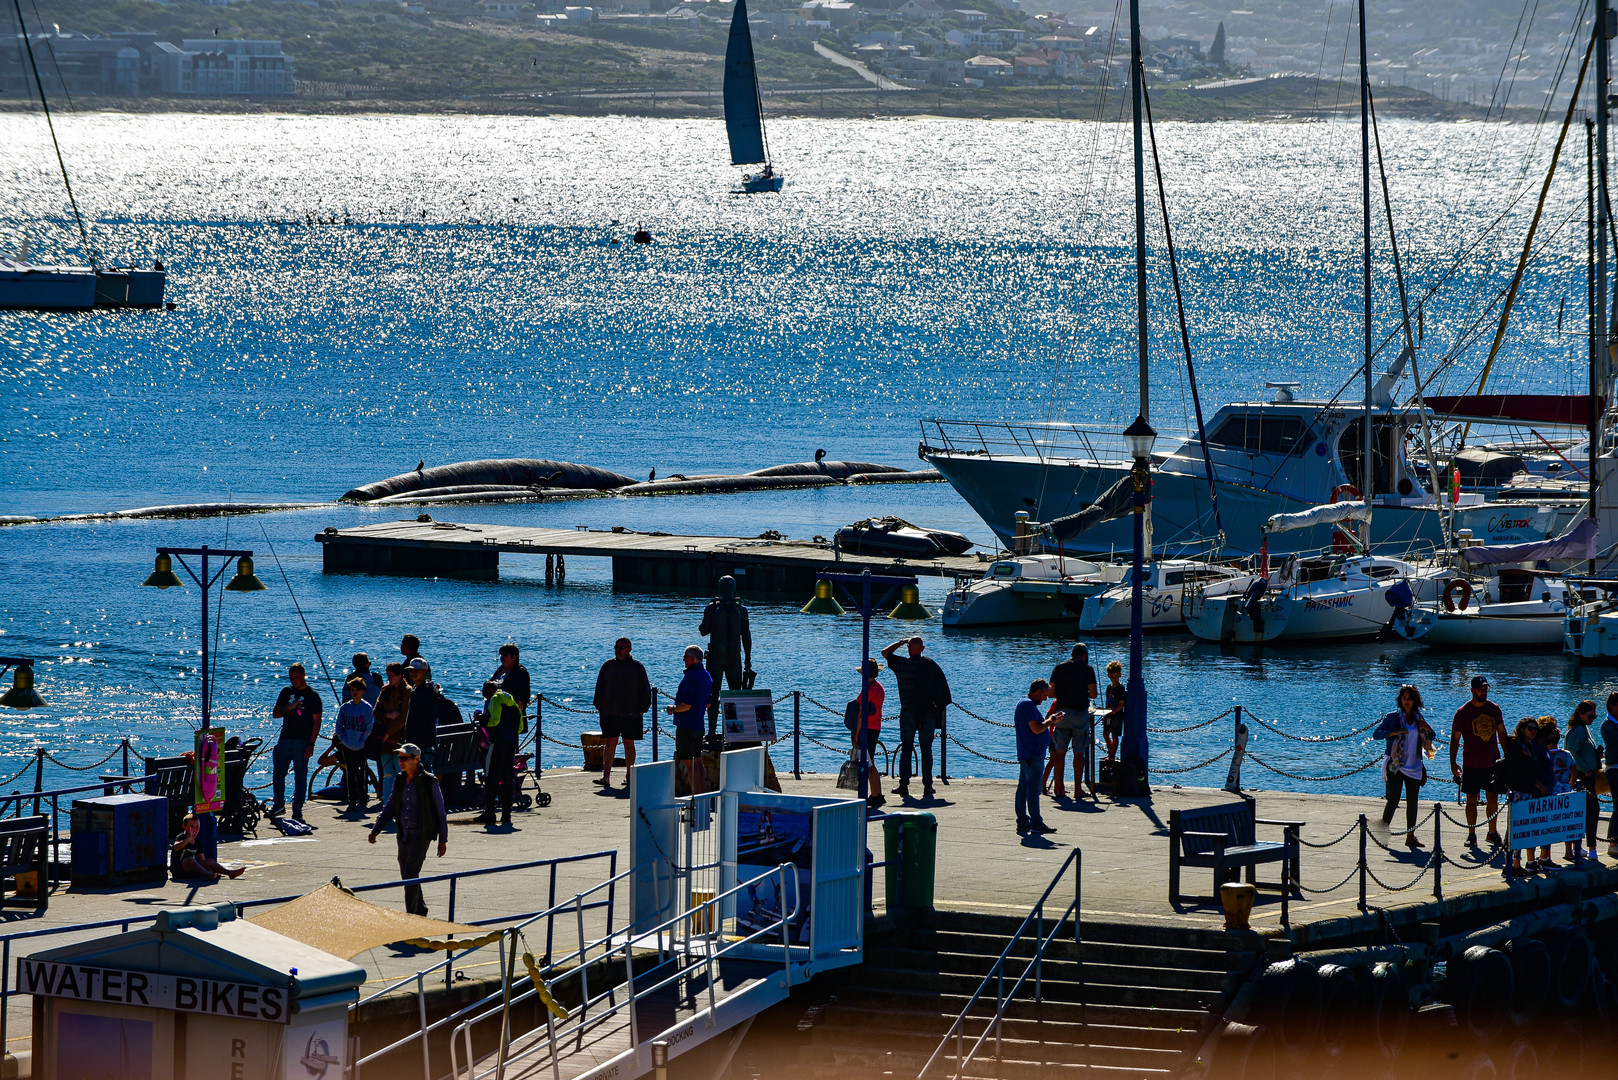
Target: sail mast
(1367,469)
(1601,347)
(1137,75)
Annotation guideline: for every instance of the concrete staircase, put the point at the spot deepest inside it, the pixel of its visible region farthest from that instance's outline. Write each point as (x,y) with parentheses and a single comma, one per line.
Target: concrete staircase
(1131,1001)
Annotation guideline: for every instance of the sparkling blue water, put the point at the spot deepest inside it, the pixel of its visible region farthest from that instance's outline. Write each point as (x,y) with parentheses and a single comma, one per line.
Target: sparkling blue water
(358,294)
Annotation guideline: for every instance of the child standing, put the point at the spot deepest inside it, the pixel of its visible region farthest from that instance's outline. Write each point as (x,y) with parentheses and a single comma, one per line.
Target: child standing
(1112,728)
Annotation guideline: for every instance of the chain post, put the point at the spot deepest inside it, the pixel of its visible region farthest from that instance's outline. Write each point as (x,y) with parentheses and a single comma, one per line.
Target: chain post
(1438,852)
(1363,865)
(797,734)
(126,755)
(39,777)
(654,723)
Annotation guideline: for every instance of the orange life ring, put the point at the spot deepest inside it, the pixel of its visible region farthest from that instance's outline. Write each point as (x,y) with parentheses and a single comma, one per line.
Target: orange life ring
(1345,489)
(1462,586)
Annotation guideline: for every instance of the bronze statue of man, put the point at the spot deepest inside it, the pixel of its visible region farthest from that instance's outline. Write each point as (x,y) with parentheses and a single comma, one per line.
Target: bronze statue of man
(730,644)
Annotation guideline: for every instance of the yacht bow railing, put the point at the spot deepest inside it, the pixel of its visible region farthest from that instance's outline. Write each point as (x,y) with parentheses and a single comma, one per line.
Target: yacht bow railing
(1053,443)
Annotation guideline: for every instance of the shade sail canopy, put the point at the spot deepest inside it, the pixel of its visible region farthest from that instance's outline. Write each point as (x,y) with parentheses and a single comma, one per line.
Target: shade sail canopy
(334,920)
(1565,410)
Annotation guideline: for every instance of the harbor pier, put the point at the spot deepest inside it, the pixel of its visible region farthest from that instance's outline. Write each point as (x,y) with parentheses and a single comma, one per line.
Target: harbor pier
(640,560)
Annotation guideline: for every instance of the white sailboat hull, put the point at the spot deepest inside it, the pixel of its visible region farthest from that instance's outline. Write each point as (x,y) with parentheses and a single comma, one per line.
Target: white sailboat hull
(1525,624)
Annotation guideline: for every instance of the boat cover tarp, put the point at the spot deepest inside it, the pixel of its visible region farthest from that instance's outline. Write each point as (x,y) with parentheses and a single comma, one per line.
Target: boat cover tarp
(1477,465)
(1324,514)
(1579,542)
(1570,410)
(743,123)
(1116,502)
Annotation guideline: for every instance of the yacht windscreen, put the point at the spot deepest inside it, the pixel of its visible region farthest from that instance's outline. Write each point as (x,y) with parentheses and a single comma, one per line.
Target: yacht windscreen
(1257,433)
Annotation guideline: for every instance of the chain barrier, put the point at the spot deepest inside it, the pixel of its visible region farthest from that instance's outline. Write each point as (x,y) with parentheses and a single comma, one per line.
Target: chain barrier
(559,742)
(782,698)
(567,708)
(1255,759)
(1331,843)
(19,774)
(974,753)
(1419,823)
(819,705)
(985,719)
(1191,768)
(1322,892)
(1193,727)
(53,759)
(1489,821)
(1428,865)
(1311,738)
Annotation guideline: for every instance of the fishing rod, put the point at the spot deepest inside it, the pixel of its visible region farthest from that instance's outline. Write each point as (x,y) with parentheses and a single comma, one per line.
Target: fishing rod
(311,634)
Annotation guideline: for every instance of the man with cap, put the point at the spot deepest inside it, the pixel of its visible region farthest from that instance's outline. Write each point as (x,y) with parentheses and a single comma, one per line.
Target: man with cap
(1477,740)
(923,697)
(417,804)
(426,705)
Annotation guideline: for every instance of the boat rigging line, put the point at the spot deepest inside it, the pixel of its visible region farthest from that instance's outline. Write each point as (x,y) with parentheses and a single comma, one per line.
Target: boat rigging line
(44,103)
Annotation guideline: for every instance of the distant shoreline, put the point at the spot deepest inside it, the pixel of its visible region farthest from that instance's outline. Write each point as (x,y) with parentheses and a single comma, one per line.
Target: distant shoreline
(1285,99)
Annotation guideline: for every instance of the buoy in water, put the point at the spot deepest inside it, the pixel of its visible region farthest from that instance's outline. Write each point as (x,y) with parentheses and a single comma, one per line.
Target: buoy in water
(642,236)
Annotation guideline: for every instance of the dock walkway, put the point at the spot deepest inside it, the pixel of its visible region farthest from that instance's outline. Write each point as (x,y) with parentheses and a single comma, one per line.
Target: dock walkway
(643,560)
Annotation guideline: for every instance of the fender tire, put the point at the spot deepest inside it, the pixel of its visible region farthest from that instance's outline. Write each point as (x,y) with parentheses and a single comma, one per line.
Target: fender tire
(1531,980)
(1480,985)
(1571,956)
(1519,1061)
(1342,1009)
(1244,1052)
(1287,1002)
(1564,1052)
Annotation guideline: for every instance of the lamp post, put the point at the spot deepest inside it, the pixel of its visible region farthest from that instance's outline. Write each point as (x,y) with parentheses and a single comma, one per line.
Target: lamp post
(1138,440)
(824,603)
(22,694)
(164,577)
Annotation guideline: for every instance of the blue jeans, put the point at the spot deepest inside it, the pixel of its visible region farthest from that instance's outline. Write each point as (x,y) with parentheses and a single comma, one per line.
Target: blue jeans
(387,767)
(293,752)
(1030,775)
(914,724)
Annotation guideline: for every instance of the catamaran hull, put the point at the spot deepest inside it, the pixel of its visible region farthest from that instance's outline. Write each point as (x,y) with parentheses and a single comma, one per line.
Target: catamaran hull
(1182,521)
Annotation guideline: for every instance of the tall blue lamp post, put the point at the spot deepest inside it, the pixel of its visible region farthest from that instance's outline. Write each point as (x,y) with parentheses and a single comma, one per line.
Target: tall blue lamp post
(245,581)
(857,587)
(1138,440)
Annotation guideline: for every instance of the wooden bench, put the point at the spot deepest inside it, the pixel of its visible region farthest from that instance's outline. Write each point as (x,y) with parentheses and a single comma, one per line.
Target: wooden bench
(457,762)
(24,844)
(1223,838)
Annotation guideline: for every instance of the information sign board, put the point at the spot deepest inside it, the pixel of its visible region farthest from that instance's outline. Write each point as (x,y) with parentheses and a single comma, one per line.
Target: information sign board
(1548,820)
(747,716)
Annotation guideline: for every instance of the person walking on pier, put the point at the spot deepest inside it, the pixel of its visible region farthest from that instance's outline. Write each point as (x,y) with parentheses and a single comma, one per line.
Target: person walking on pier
(354,723)
(417,804)
(1586,769)
(502,718)
(1409,739)
(923,697)
(298,708)
(1477,737)
(391,710)
(690,705)
(623,694)
(1073,686)
(426,706)
(1033,739)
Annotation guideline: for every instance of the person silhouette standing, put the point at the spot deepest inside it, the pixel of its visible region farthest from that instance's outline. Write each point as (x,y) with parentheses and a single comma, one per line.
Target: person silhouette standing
(730,645)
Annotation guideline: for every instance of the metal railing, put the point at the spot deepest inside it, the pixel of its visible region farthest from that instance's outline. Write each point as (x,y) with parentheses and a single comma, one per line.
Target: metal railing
(7,991)
(702,930)
(997,974)
(1049,443)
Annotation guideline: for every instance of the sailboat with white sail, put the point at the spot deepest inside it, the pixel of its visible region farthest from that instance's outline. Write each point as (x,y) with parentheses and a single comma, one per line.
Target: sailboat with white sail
(744,108)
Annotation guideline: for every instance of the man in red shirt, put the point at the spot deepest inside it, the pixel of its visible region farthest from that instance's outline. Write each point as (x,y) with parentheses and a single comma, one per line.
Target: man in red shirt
(1478,737)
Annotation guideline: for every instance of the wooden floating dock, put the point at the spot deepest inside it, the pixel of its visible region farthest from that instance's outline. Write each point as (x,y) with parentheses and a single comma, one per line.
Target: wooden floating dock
(640,560)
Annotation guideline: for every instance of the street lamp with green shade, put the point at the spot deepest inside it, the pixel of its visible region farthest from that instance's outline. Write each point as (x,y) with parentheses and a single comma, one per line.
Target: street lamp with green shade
(22,694)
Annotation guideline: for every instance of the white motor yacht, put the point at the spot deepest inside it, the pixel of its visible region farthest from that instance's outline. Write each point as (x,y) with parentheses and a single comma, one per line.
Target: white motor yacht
(1029,589)
(1165,596)
(1519,608)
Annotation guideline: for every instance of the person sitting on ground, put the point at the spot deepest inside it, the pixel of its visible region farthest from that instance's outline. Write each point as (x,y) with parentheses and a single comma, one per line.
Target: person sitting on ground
(1476,736)
(690,703)
(1524,774)
(354,723)
(1586,770)
(1409,738)
(1112,728)
(623,695)
(185,860)
(1561,763)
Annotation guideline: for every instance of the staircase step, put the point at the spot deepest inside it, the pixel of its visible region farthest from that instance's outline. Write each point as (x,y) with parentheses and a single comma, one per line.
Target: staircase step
(1056,991)
(1125,933)
(1055,971)
(844,1026)
(1158,1011)
(1017,1059)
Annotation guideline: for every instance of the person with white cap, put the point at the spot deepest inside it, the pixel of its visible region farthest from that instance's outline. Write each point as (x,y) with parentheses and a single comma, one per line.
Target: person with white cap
(417,804)
(426,705)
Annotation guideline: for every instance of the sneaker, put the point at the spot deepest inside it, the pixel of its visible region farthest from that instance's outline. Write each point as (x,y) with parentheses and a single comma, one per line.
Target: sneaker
(902,791)
(927,793)
(1022,826)
(1043,828)
(1472,839)
(276,811)
(1494,840)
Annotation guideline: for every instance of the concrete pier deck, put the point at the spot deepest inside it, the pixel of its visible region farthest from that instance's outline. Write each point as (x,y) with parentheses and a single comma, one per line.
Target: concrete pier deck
(639,559)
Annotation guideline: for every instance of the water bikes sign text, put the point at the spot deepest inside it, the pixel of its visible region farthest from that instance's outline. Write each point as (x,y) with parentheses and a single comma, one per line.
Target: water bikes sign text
(1547,820)
(180,993)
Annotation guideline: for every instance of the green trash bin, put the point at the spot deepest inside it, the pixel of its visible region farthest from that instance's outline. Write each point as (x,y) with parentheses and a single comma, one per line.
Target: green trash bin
(909,881)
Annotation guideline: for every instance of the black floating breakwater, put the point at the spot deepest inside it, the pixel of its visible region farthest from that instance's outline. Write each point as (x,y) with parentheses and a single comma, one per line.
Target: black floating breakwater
(539,479)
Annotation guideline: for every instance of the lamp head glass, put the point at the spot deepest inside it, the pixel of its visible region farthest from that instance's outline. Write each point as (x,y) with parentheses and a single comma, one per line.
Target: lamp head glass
(245,580)
(823,602)
(910,606)
(1138,439)
(164,576)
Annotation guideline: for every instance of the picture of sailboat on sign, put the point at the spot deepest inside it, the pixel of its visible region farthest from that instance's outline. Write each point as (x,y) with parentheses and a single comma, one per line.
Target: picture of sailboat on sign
(744,109)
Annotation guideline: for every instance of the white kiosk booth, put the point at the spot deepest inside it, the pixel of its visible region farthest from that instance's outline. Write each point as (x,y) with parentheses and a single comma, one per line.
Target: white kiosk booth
(198,995)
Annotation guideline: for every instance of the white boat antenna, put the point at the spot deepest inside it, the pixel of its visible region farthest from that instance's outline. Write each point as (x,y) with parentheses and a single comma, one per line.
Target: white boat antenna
(1283,390)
